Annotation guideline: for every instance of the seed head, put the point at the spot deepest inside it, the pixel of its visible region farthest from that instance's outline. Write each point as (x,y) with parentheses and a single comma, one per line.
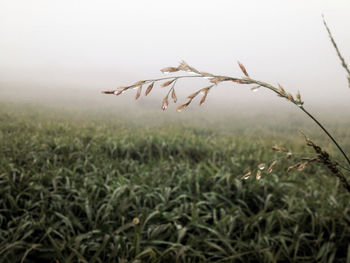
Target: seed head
(181,107)
(121,90)
(165,103)
(150,87)
(258,175)
(273,164)
(298,95)
(138,92)
(282,89)
(169,69)
(193,95)
(184,66)
(243,69)
(290,97)
(297,165)
(173,96)
(261,166)
(108,91)
(278,149)
(141,82)
(255,88)
(165,84)
(203,98)
(246,176)
(302,166)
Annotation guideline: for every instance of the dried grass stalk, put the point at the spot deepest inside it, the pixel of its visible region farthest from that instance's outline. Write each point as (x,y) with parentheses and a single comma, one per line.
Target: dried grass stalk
(149,88)
(243,69)
(138,93)
(173,96)
(217,79)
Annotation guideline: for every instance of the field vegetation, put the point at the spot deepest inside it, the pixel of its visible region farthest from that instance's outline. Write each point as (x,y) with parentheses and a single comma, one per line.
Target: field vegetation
(101,187)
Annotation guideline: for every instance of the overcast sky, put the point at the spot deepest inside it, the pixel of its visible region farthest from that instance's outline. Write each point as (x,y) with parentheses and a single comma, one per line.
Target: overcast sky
(105,44)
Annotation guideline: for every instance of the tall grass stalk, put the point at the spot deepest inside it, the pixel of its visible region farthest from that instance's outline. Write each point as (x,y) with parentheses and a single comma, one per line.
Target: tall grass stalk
(342,60)
(214,80)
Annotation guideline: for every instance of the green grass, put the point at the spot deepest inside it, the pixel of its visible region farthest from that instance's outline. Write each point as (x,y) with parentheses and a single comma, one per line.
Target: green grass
(71,187)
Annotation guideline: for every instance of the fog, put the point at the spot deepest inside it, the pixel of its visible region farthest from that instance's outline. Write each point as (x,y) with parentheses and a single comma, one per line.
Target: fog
(67,52)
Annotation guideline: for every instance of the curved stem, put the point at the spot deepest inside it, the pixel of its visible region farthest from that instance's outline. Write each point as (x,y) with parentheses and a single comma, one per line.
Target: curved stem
(266,85)
(329,135)
(279,91)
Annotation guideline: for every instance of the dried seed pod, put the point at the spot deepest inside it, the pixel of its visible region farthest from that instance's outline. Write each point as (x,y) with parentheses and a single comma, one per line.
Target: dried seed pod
(243,69)
(298,95)
(293,167)
(165,84)
(262,166)
(203,98)
(141,82)
(205,93)
(108,92)
(150,87)
(169,69)
(138,92)
(289,155)
(276,148)
(302,166)
(273,164)
(181,107)
(193,95)
(173,96)
(282,89)
(121,90)
(258,175)
(165,103)
(246,176)
(214,80)
(255,88)
(206,90)
(184,66)
(290,97)
(136,221)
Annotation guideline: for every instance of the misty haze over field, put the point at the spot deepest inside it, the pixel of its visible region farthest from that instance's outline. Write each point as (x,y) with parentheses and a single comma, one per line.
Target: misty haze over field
(69,51)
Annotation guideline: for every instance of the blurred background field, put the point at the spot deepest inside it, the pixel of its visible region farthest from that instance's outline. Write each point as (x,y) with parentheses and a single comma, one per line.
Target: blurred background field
(134,184)
(86,177)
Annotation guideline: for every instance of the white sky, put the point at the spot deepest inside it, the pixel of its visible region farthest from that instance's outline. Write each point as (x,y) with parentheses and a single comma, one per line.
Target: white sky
(100,45)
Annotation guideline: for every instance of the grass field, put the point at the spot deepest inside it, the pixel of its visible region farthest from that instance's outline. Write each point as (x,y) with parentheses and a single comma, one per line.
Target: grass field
(102,188)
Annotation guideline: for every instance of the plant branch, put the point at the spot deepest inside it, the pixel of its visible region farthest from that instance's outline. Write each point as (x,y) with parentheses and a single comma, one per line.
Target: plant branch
(270,87)
(217,79)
